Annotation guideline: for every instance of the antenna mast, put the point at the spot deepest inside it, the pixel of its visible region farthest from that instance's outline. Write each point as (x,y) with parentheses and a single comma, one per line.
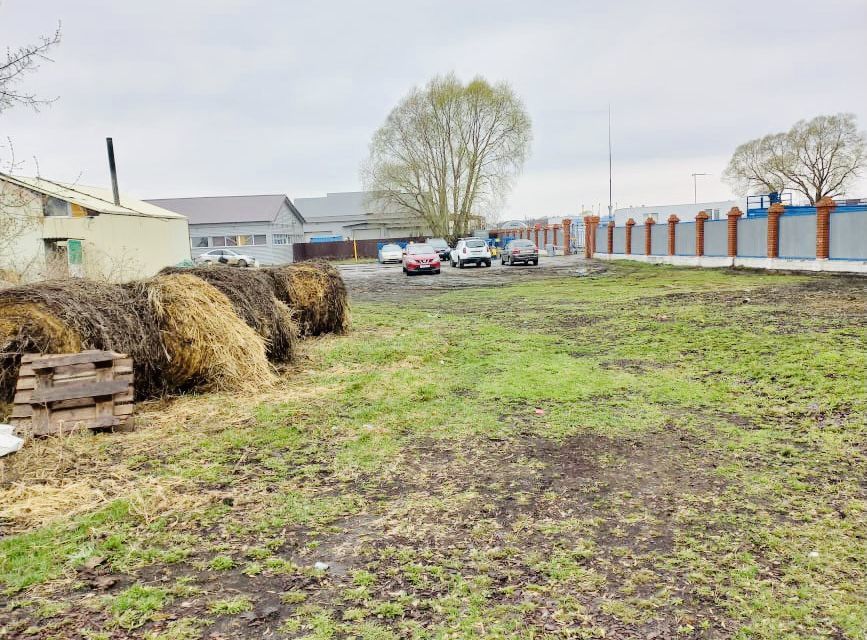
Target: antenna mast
(610,183)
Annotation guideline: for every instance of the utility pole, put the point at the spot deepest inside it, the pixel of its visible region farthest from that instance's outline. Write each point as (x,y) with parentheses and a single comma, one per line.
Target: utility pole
(695,185)
(610,181)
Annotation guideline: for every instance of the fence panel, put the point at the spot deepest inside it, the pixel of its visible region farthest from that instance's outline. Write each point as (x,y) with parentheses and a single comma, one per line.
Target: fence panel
(716,238)
(798,236)
(848,239)
(344,249)
(659,240)
(684,239)
(753,237)
(638,239)
(602,238)
(619,239)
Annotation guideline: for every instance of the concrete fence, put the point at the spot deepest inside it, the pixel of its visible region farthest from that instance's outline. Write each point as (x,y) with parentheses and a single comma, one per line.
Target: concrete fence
(827,240)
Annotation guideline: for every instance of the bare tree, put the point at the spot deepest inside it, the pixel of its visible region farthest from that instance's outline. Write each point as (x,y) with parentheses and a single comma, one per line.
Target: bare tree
(448,152)
(18,63)
(817,158)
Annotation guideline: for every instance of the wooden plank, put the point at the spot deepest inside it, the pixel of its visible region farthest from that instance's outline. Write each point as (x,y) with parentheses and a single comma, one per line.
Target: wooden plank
(29,357)
(124,409)
(51,362)
(24,395)
(79,390)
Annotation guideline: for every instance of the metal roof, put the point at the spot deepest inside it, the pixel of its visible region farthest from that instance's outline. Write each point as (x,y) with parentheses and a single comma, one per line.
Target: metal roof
(228,209)
(93,198)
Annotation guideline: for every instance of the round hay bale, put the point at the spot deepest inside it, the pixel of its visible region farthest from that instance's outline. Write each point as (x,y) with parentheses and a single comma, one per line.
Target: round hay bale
(209,346)
(251,292)
(66,316)
(316,294)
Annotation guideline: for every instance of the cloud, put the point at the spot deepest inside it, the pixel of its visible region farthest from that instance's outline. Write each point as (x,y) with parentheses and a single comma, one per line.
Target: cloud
(225,96)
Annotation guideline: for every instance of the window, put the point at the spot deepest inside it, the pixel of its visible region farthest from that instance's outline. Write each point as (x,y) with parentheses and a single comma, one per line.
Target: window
(200,242)
(260,239)
(280,238)
(231,241)
(55,207)
(244,241)
(218,241)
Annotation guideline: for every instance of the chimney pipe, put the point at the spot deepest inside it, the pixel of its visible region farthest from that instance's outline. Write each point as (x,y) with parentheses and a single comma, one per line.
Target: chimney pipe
(113,168)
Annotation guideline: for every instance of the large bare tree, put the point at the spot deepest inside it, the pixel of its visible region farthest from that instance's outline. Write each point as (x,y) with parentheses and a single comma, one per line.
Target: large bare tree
(448,152)
(14,67)
(816,158)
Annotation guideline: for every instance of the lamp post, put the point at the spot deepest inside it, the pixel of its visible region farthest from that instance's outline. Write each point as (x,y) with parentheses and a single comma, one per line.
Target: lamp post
(695,185)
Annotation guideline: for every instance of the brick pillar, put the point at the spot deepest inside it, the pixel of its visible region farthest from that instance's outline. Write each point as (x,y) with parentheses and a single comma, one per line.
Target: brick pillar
(629,224)
(733,215)
(774,213)
(672,231)
(610,237)
(823,227)
(588,231)
(699,232)
(545,236)
(595,222)
(567,236)
(537,229)
(648,227)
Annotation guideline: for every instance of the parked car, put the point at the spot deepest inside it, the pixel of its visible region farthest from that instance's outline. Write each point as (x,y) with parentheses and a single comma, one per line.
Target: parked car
(520,251)
(471,251)
(226,256)
(441,247)
(389,253)
(420,258)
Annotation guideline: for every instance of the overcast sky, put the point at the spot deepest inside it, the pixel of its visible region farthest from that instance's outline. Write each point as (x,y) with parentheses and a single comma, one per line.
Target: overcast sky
(214,97)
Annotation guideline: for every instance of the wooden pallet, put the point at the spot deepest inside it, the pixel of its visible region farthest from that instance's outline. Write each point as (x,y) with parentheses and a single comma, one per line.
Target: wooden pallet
(67,392)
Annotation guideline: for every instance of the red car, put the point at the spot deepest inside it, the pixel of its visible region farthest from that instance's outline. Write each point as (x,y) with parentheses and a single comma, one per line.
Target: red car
(420,258)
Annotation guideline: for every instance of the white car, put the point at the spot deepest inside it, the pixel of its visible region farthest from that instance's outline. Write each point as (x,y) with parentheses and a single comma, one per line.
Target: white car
(471,251)
(390,253)
(226,256)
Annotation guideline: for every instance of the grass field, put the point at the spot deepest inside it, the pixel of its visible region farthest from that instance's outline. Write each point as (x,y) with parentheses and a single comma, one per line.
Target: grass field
(646,453)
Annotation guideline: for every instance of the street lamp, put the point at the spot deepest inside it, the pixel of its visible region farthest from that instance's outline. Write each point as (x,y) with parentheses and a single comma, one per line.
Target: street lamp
(695,185)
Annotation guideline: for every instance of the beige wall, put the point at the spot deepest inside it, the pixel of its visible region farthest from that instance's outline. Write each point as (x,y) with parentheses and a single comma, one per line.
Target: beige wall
(115,247)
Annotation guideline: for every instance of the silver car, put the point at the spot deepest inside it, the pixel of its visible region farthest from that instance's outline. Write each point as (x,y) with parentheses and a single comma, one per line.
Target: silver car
(226,256)
(390,253)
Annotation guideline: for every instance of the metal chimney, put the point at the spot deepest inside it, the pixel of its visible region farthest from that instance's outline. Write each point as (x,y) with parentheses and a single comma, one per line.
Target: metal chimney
(113,168)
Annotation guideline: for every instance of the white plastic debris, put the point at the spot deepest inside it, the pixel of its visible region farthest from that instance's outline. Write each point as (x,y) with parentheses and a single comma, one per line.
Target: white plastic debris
(814,554)
(8,442)
(321,566)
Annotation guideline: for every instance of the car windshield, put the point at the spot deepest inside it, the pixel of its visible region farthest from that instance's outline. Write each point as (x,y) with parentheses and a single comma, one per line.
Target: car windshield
(522,243)
(475,243)
(419,249)
(437,243)
(390,247)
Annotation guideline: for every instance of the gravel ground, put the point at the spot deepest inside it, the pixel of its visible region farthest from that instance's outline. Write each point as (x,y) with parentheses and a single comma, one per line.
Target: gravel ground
(388,282)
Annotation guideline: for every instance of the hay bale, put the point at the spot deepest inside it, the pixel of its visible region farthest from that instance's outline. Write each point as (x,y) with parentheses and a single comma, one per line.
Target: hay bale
(251,292)
(209,346)
(316,294)
(61,316)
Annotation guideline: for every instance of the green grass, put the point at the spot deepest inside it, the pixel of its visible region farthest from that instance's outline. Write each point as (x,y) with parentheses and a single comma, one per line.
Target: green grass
(652,446)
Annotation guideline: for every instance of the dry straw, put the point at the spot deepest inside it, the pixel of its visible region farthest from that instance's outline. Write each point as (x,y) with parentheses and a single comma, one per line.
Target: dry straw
(208,345)
(316,293)
(251,292)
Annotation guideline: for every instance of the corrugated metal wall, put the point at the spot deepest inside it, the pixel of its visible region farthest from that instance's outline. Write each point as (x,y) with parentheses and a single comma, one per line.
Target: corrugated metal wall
(684,239)
(659,240)
(716,238)
(848,236)
(638,239)
(798,236)
(619,239)
(753,237)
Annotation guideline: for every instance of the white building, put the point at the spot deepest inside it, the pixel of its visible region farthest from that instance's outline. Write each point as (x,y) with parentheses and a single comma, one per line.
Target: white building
(686,212)
(49,229)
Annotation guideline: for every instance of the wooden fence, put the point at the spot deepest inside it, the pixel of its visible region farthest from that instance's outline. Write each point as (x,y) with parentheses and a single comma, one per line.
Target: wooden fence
(343,249)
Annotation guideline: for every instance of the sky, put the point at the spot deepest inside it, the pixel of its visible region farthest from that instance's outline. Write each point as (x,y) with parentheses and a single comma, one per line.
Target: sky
(222,97)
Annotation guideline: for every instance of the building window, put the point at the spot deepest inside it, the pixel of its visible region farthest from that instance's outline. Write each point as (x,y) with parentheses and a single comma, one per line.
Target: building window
(55,207)
(280,238)
(218,241)
(231,241)
(260,239)
(200,242)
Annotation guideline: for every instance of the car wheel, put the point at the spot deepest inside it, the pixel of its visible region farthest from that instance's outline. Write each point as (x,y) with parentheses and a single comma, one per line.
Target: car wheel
(242,263)
(536,262)
(460,264)
(487,263)
(437,272)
